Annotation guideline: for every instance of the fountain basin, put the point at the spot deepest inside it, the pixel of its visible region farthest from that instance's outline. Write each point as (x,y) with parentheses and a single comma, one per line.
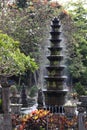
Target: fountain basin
(53,32)
(55,26)
(57,68)
(53,97)
(55,83)
(55,57)
(58,48)
(56,41)
(56,78)
(54,70)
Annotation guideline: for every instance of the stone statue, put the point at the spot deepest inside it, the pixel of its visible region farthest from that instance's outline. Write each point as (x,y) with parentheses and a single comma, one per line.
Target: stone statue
(81,119)
(24,96)
(40,99)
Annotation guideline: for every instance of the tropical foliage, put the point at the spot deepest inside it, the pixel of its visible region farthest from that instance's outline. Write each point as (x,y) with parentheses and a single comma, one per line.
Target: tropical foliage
(77,59)
(30,27)
(43,120)
(12,60)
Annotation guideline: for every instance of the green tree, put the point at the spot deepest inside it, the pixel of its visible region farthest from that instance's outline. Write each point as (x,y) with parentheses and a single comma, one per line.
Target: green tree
(78,60)
(79,89)
(12,60)
(30,27)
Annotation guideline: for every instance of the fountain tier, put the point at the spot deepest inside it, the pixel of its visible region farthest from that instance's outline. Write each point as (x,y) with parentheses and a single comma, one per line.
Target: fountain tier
(55,97)
(55,57)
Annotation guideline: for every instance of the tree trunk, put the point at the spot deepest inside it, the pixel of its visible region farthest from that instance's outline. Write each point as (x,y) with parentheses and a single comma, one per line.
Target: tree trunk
(7,125)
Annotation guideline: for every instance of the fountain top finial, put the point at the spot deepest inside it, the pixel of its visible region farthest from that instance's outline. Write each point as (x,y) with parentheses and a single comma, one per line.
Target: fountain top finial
(55,20)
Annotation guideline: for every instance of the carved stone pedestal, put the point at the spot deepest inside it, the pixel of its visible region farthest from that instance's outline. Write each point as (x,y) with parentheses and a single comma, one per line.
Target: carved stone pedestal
(15,108)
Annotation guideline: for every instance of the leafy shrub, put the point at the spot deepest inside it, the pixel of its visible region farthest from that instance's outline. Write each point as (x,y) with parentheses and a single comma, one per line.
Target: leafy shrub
(86,92)
(33,91)
(80,88)
(13,89)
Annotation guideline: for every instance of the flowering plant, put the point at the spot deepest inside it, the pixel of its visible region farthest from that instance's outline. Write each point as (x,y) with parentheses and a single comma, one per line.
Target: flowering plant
(43,120)
(34,120)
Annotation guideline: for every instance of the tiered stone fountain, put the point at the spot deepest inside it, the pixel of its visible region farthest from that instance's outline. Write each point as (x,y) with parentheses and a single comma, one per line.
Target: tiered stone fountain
(55,92)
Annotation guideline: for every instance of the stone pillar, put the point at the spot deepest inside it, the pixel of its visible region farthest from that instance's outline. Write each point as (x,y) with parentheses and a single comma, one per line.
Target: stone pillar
(5,96)
(7,122)
(7,125)
(81,125)
(1,122)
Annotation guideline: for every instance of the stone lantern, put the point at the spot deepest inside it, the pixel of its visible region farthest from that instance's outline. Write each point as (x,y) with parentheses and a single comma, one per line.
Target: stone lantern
(70,108)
